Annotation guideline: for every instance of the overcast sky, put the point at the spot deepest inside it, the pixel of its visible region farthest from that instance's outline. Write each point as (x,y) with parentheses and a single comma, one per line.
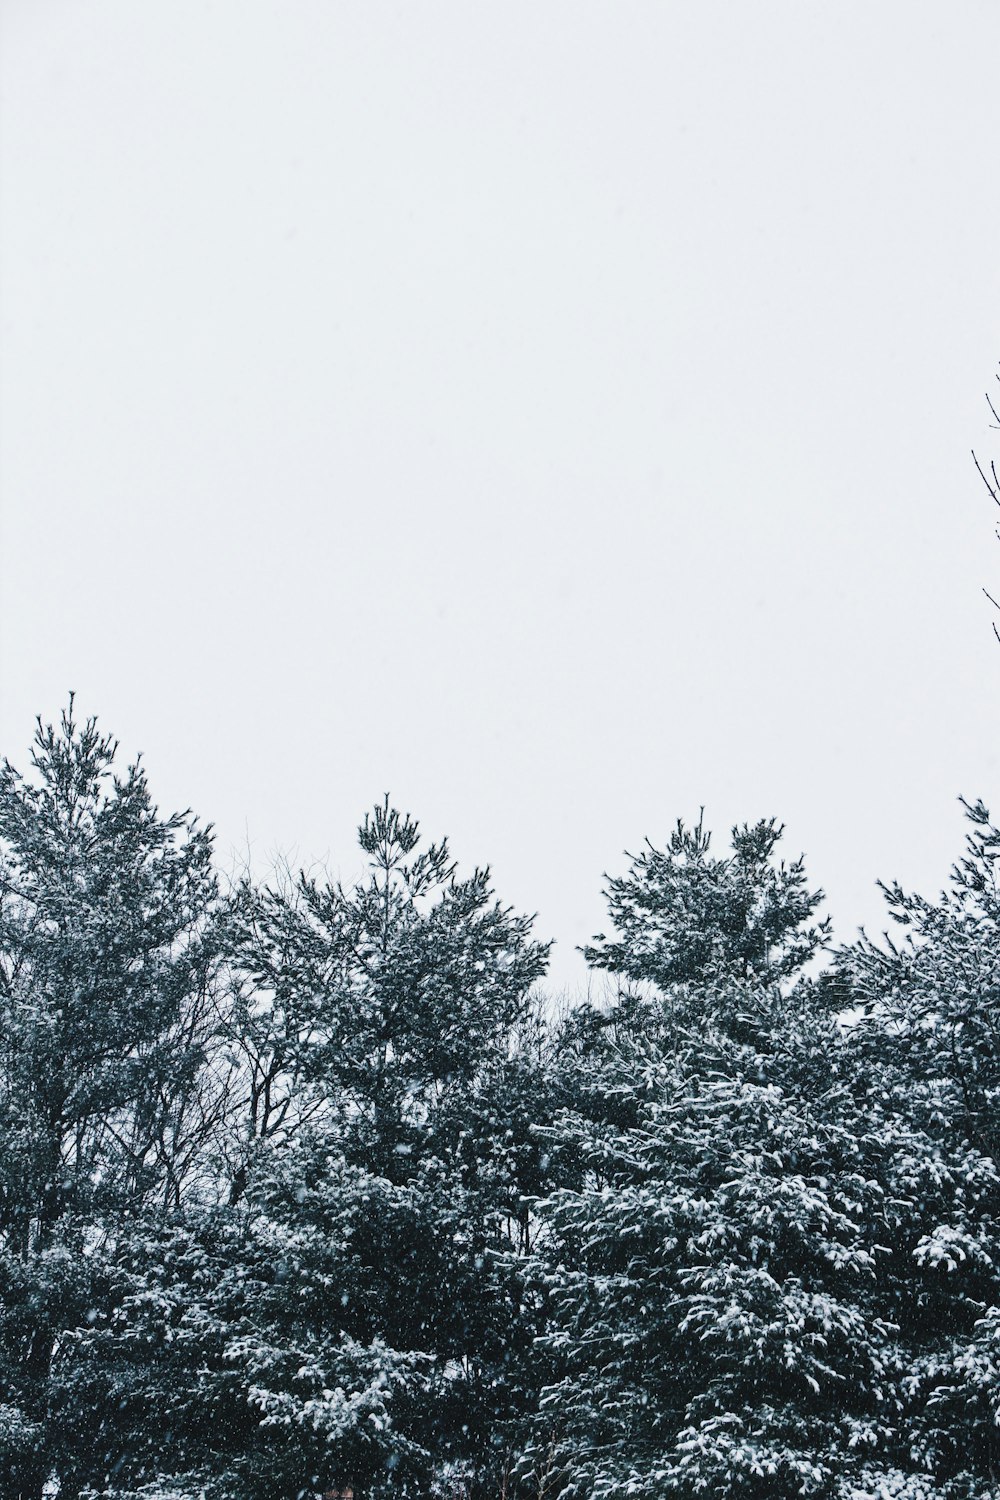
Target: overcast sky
(557,415)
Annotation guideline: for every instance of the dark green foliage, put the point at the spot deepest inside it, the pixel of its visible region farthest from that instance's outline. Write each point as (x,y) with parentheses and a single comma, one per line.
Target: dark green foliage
(927,1045)
(106,948)
(347,1308)
(390,996)
(106,968)
(682,914)
(301,1186)
(714,1328)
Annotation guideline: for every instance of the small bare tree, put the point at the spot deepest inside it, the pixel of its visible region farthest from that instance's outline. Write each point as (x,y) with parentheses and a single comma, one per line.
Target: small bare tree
(991,479)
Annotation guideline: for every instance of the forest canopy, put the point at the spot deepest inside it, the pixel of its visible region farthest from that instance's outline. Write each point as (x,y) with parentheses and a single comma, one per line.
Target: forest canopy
(307,1190)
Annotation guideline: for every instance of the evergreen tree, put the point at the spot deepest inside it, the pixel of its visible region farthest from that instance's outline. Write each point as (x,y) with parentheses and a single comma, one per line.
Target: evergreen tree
(711,1283)
(299,1188)
(681,914)
(926,1036)
(107,958)
(345,1311)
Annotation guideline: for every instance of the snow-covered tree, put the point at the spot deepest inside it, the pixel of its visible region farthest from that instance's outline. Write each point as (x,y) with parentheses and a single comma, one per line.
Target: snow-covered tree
(107,957)
(714,1327)
(345,1310)
(680,913)
(926,1036)
(301,1188)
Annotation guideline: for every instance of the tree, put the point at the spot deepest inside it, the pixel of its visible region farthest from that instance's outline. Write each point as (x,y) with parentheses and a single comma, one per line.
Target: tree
(927,1042)
(107,958)
(345,1311)
(714,1327)
(682,914)
(991,479)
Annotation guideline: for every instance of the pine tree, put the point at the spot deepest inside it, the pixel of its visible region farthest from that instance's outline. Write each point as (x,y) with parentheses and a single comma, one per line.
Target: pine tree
(926,1035)
(681,914)
(344,1311)
(107,958)
(713,1324)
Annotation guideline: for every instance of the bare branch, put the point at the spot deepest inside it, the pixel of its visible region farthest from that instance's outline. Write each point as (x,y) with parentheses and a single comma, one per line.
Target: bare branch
(994,486)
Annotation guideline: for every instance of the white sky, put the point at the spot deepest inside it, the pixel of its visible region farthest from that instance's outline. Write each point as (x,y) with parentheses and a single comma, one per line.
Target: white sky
(555,414)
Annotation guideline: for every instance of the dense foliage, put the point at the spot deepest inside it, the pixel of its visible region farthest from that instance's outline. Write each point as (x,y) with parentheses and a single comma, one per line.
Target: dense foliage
(305,1188)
